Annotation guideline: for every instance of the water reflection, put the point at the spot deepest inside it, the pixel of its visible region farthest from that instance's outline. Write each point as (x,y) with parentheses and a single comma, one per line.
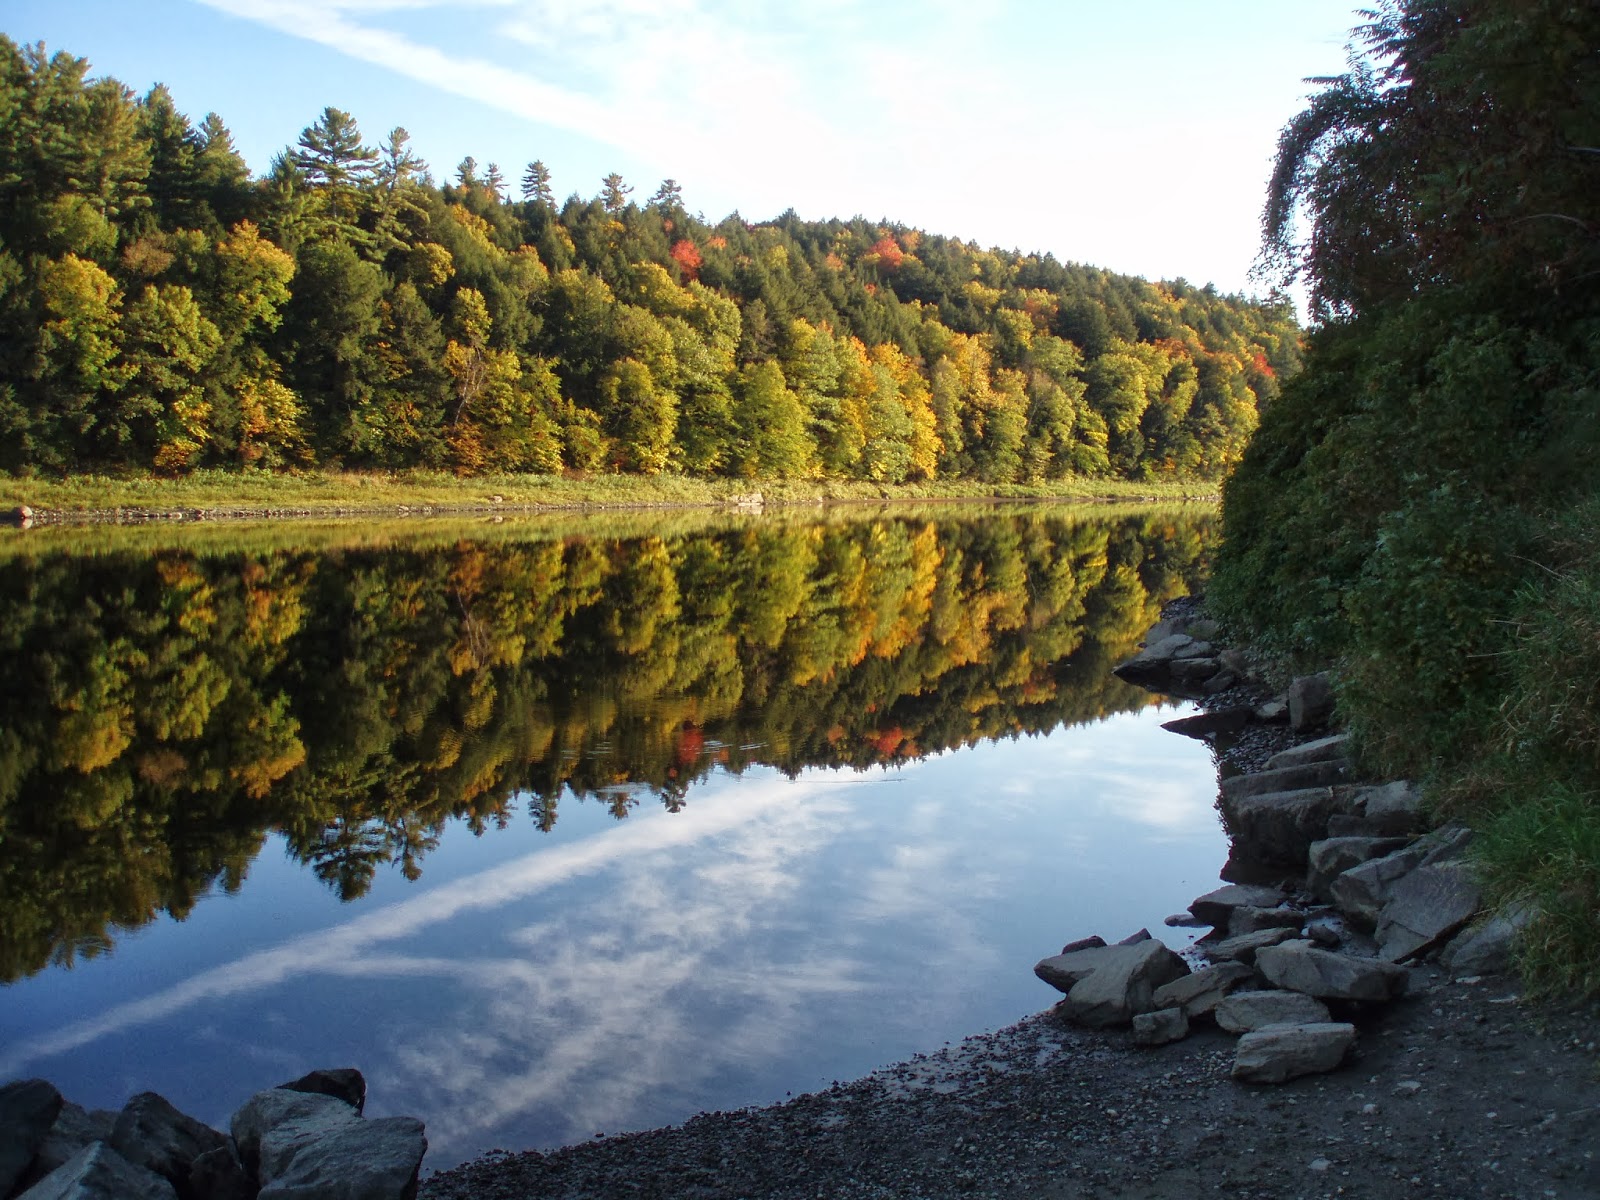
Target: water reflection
(162,713)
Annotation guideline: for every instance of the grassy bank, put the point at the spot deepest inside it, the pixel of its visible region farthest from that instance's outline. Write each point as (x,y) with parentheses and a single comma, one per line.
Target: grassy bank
(329,492)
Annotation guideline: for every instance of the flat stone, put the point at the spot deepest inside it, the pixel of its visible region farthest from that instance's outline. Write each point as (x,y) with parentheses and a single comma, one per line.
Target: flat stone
(1425,908)
(151,1133)
(1272,712)
(1333,856)
(1217,907)
(1290,1051)
(1199,992)
(1209,724)
(28,1108)
(1336,747)
(97,1172)
(359,1160)
(1245,947)
(1092,942)
(1301,967)
(1109,985)
(1253,920)
(1314,774)
(1133,939)
(1160,1027)
(1447,844)
(1244,1012)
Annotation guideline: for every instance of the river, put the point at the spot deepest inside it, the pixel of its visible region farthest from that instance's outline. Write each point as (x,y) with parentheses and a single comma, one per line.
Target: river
(574,826)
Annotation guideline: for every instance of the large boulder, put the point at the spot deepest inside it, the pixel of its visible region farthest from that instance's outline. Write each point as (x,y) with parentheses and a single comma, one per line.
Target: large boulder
(75,1127)
(97,1172)
(1425,908)
(1217,907)
(1199,992)
(1310,702)
(1279,827)
(151,1133)
(1486,947)
(1289,1051)
(1245,1012)
(1109,985)
(1392,809)
(1328,859)
(1301,967)
(28,1108)
(359,1160)
(301,1116)
(1253,920)
(1156,665)
(219,1175)
(1362,891)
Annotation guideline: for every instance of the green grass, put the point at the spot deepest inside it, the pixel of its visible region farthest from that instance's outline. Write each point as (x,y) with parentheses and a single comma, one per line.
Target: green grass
(337,492)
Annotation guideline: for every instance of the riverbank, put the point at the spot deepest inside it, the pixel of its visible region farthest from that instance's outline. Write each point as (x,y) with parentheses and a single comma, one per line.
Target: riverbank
(260,495)
(1460,1088)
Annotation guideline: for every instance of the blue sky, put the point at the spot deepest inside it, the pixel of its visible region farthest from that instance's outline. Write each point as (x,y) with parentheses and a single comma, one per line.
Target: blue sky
(1131,136)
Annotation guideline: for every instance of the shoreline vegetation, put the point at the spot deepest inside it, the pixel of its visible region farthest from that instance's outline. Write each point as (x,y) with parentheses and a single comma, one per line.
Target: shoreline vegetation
(221,494)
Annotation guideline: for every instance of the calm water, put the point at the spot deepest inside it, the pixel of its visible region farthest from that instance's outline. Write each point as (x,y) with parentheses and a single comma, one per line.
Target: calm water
(555,834)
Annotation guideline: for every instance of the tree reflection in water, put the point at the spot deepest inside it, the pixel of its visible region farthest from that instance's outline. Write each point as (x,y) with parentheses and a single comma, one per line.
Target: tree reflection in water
(163,711)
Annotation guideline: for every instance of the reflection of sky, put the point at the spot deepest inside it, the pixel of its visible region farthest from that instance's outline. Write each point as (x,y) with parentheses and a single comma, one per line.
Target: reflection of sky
(771,937)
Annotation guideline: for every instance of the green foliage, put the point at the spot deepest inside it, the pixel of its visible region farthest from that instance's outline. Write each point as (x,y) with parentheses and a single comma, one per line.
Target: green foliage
(1393,513)
(335,283)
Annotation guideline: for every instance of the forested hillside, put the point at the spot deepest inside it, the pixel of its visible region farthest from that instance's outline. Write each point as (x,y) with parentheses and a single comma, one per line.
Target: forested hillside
(1421,507)
(162,309)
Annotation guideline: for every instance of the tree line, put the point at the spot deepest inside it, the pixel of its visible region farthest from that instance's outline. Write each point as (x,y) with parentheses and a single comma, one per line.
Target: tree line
(163,713)
(160,309)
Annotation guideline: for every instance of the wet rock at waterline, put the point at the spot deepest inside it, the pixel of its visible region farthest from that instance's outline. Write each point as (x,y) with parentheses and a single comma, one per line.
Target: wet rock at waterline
(1110,985)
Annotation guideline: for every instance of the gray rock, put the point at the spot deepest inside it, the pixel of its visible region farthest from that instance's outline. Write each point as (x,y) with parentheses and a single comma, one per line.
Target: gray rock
(1109,985)
(1486,947)
(1279,827)
(1332,857)
(1217,907)
(219,1175)
(1194,671)
(1209,724)
(1336,747)
(1310,700)
(1152,666)
(1325,930)
(1425,908)
(1199,992)
(1287,1052)
(1244,948)
(306,1112)
(75,1127)
(1391,809)
(1160,1027)
(360,1160)
(1220,682)
(343,1083)
(28,1108)
(1244,1012)
(97,1172)
(1315,774)
(1093,941)
(1447,844)
(1363,890)
(1301,967)
(151,1133)
(1184,920)
(1272,712)
(1133,939)
(1253,920)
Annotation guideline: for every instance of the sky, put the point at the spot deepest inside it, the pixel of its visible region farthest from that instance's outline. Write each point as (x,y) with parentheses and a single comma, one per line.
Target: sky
(1133,136)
